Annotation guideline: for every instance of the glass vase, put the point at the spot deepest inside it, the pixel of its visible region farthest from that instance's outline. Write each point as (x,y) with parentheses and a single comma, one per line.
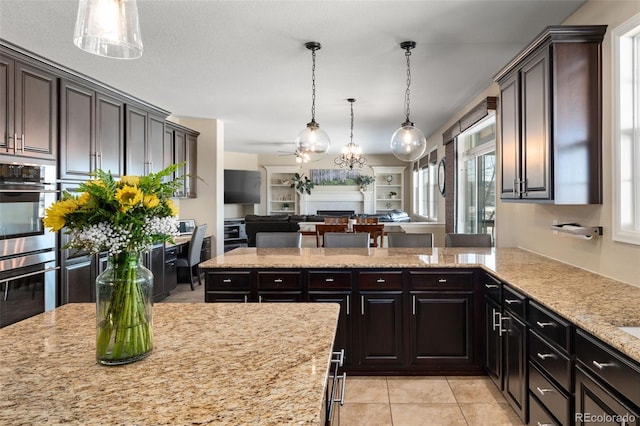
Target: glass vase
(124,318)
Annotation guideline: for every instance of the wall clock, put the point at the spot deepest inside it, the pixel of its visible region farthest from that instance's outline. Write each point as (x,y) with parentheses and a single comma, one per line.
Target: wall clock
(441,177)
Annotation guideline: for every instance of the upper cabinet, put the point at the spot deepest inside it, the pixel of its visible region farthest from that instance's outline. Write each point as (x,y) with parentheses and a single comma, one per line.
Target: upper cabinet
(185,149)
(91,131)
(28,110)
(550,118)
(145,141)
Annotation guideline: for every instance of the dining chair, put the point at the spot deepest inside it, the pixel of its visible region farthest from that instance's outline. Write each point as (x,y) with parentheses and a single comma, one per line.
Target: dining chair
(401,239)
(336,220)
(278,239)
(376,231)
(467,240)
(346,240)
(193,256)
(322,228)
(367,220)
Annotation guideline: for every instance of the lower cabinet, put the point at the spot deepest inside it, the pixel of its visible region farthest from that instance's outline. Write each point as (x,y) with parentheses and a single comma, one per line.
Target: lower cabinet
(493,341)
(380,328)
(515,363)
(78,280)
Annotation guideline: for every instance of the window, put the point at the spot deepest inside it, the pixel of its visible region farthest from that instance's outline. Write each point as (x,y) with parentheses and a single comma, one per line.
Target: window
(626,131)
(476,178)
(425,187)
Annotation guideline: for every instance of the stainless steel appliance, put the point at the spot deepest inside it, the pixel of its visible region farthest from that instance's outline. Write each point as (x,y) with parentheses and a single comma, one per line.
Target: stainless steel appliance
(27,249)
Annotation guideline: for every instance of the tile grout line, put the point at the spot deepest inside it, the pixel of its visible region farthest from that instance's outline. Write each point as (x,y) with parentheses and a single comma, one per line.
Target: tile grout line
(457,401)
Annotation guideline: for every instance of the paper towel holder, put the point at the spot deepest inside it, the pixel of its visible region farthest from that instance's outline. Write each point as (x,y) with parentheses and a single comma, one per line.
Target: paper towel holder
(578,230)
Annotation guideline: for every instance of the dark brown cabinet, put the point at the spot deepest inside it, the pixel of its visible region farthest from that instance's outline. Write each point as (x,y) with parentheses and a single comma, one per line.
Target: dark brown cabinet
(227,286)
(185,148)
(79,276)
(29,110)
(515,363)
(91,132)
(550,107)
(154,261)
(380,328)
(145,138)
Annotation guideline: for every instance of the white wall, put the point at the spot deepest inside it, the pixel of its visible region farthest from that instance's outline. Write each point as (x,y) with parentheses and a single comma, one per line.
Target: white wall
(528,225)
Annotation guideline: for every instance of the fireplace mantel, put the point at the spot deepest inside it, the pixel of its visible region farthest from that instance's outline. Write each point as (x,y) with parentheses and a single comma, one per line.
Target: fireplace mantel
(337,198)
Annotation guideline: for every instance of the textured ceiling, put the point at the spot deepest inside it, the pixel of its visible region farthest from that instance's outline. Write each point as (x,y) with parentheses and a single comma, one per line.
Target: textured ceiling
(244,62)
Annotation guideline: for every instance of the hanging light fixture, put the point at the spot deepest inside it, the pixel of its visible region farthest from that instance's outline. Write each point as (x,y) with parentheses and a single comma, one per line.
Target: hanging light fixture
(351,154)
(108,28)
(313,141)
(408,142)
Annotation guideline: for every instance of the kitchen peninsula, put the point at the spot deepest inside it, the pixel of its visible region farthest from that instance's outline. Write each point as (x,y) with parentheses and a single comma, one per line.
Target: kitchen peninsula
(211,364)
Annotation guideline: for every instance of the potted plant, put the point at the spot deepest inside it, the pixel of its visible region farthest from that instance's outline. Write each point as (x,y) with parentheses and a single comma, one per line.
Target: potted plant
(302,184)
(392,194)
(285,206)
(364,181)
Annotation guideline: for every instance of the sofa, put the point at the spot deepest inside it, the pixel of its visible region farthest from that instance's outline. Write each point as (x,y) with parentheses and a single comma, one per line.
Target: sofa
(289,223)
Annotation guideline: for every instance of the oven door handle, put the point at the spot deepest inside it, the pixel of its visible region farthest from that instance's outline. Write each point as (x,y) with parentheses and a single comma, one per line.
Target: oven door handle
(31,191)
(30,274)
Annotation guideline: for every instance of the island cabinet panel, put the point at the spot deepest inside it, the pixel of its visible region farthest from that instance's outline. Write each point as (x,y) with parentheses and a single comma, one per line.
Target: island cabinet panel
(380,328)
(227,286)
(279,286)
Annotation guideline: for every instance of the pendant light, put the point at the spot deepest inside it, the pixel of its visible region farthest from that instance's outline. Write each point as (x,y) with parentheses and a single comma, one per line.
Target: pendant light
(313,141)
(351,154)
(408,142)
(108,28)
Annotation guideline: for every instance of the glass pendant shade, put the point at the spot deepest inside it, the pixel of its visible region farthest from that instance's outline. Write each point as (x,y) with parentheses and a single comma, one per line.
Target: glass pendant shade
(408,143)
(108,28)
(313,142)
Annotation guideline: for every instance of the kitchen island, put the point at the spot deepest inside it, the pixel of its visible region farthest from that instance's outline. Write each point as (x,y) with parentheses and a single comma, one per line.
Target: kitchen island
(593,302)
(263,364)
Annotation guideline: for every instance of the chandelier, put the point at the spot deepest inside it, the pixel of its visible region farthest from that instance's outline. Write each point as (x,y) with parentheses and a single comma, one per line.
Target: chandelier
(408,142)
(108,28)
(351,154)
(313,141)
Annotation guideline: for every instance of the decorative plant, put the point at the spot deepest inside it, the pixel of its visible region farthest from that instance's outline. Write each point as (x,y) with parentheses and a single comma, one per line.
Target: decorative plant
(365,180)
(302,184)
(285,206)
(392,194)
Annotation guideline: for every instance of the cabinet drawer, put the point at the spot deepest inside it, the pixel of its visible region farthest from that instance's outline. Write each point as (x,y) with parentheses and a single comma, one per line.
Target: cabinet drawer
(380,280)
(539,416)
(513,301)
(601,360)
(492,287)
(227,281)
(436,280)
(330,280)
(279,281)
(550,326)
(549,395)
(551,360)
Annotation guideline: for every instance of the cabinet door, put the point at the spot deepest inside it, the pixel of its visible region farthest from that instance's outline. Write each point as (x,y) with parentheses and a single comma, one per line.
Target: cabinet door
(36,112)
(380,328)
(192,165)
(510,140)
(343,333)
(136,140)
(536,173)
(180,156)
(493,342)
(167,150)
(78,280)
(155,145)
(156,259)
(515,363)
(110,134)
(77,133)
(597,405)
(440,328)
(227,296)
(279,296)
(6,103)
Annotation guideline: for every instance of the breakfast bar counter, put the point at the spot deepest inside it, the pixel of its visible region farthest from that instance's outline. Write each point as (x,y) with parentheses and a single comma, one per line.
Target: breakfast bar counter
(230,364)
(593,302)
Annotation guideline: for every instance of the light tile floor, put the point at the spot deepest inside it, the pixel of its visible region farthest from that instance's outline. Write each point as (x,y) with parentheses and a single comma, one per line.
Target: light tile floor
(409,400)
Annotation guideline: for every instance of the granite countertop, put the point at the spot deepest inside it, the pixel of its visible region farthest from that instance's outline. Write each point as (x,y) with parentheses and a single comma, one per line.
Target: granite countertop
(593,302)
(229,364)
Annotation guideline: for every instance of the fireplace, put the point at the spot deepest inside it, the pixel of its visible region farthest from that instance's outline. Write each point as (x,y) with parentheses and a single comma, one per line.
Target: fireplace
(335,212)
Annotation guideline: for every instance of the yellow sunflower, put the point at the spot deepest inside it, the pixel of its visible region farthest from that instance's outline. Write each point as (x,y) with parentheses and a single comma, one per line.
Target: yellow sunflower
(83,199)
(54,218)
(130,180)
(150,201)
(128,197)
(172,207)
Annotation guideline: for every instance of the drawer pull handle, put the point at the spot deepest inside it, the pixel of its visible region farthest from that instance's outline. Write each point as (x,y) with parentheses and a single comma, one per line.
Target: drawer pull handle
(543,391)
(512,301)
(490,286)
(545,424)
(442,280)
(545,324)
(380,280)
(545,356)
(348,305)
(328,280)
(603,365)
(245,298)
(277,280)
(226,280)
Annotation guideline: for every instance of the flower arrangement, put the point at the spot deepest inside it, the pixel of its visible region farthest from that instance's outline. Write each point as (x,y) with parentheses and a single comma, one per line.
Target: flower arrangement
(123,218)
(364,181)
(302,184)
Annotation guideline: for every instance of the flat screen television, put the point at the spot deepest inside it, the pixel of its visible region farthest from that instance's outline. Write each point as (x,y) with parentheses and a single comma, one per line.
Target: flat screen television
(242,186)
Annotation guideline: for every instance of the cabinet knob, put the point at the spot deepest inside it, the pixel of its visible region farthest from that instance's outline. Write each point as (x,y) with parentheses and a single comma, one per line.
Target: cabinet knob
(226,280)
(277,280)
(328,280)
(442,280)
(380,280)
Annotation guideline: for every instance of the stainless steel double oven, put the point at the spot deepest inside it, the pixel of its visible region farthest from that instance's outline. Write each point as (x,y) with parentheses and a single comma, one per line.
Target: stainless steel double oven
(27,249)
